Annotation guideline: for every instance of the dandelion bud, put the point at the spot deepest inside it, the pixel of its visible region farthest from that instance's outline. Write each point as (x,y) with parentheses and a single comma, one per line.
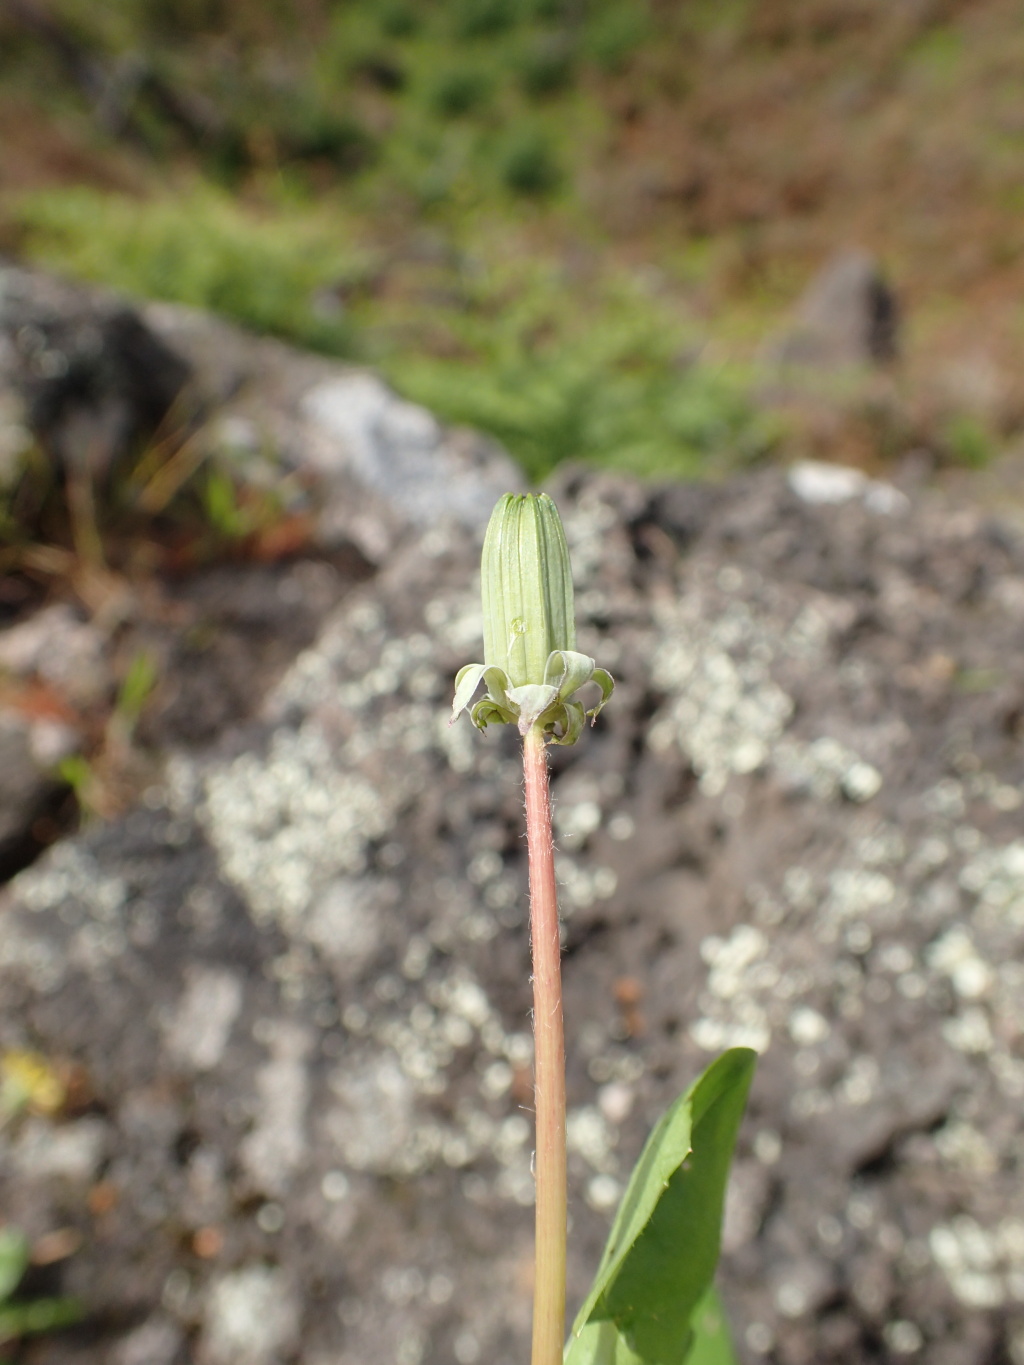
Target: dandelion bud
(526,587)
(531,667)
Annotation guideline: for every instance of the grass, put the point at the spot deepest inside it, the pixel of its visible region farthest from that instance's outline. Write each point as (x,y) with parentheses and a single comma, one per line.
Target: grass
(202,249)
(550,384)
(414,185)
(413,201)
(495,334)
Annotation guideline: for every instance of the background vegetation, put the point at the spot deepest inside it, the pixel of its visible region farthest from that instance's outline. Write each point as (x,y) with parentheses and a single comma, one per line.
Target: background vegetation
(569,222)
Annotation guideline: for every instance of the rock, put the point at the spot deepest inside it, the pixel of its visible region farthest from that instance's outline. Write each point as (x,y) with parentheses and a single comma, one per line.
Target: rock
(343,468)
(92,379)
(29,791)
(397,450)
(15,438)
(156,1342)
(226,633)
(58,647)
(252,1318)
(81,372)
(378,465)
(816,482)
(295,981)
(847,317)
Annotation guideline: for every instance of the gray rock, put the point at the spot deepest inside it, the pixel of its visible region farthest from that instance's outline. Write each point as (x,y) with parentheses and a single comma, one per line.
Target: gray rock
(797,826)
(157,1341)
(29,752)
(379,465)
(847,317)
(61,649)
(81,372)
(816,482)
(92,379)
(252,1318)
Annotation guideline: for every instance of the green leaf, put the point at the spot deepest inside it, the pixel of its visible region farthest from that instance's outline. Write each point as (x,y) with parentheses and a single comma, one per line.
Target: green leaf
(138,684)
(606,683)
(531,701)
(711,1343)
(600,1343)
(13,1261)
(568,671)
(663,1248)
(664,1152)
(41,1315)
(670,1266)
(467,680)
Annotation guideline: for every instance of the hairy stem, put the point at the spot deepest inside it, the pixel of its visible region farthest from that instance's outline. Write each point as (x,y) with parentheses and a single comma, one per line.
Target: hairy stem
(549,1063)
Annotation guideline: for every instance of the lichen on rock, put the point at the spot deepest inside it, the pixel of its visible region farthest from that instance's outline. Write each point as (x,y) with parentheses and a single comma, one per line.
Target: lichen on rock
(294,982)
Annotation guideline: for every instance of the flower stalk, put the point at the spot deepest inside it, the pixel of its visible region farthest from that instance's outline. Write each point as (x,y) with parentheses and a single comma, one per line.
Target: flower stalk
(531,673)
(549,1063)
(653,1298)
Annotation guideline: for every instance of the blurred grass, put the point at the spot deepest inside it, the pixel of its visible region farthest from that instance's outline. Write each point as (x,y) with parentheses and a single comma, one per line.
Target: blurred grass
(405,193)
(499,335)
(602,370)
(201,249)
(414,183)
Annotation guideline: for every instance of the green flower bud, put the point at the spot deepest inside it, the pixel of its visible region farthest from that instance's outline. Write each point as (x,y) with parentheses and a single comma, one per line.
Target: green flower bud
(526,587)
(532,669)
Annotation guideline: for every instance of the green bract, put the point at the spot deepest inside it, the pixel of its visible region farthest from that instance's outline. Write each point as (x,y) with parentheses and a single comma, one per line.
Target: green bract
(532,669)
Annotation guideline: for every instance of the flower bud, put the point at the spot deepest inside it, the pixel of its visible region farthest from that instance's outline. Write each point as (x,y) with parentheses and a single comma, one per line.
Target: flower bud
(526,586)
(531,668)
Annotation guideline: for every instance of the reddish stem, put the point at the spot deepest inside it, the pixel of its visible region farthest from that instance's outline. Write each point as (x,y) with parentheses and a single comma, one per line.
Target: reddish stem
(549,1063)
